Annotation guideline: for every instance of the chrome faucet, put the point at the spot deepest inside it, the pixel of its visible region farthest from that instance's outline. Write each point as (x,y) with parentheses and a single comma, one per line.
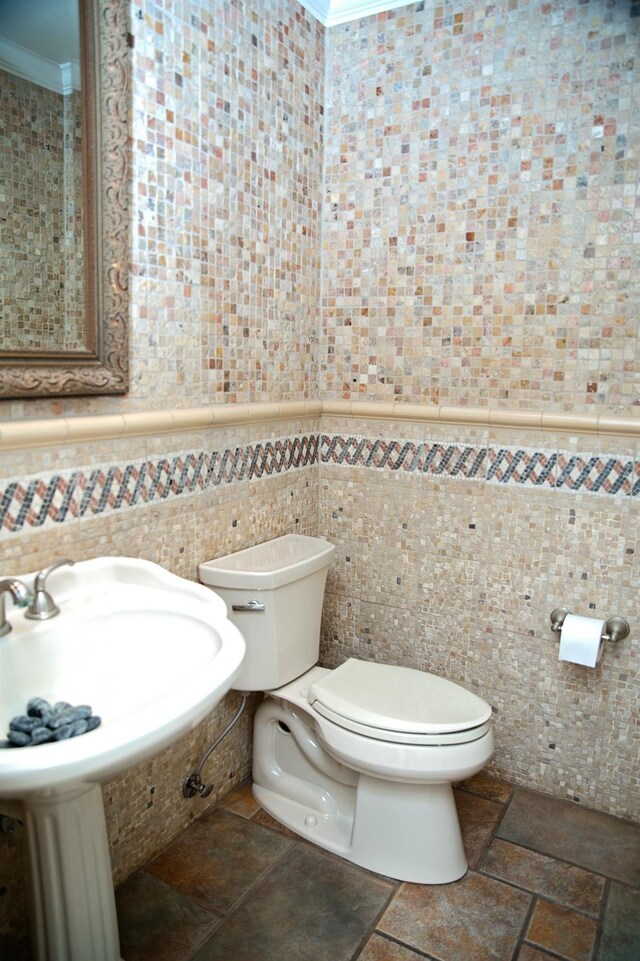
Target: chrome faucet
(42,605)
(21,596)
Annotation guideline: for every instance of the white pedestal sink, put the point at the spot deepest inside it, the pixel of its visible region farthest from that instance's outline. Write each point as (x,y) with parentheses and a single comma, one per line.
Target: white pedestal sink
(152,654)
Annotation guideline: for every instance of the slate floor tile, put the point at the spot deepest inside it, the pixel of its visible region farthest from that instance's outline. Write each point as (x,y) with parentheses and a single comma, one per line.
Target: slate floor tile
(476,918)
(478,819)
(595,841)
(567,933)
(310,906)
(620,939)
(241,802)
(528,953)
(378,948)
(155,921)
(556,880)
(488,786)
(267,821)
(217,859)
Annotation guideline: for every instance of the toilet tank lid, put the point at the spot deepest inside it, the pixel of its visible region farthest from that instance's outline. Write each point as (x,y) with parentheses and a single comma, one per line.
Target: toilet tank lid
(400,699)
(272,564)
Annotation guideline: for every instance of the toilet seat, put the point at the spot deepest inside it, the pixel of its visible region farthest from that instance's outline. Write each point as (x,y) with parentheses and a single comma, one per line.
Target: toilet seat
(399,705)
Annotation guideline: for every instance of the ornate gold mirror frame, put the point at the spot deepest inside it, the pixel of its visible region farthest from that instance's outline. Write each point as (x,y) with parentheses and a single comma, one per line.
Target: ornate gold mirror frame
(103,367)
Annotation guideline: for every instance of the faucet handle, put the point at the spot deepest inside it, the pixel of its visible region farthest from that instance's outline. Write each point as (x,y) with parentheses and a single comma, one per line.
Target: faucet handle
(43,606)
(20,595)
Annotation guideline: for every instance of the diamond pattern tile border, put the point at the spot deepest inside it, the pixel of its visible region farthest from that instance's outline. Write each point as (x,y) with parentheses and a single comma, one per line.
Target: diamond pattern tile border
(67,495)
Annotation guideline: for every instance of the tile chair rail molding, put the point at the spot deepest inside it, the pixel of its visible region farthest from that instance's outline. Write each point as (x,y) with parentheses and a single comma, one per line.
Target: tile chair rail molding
(54,431)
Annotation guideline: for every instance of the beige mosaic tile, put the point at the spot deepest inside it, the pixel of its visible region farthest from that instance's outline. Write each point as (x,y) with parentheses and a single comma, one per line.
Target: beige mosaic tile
(367,631)
(144,806)
(41,283)
(475,246)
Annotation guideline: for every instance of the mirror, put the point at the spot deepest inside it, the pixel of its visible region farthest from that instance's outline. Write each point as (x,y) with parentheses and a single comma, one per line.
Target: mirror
(63,166)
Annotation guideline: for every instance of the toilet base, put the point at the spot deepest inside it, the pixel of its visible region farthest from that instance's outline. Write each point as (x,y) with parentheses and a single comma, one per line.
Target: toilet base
(405,831)
(420,843)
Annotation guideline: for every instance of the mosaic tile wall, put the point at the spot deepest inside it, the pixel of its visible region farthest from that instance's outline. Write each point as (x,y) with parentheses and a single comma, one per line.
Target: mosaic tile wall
(447,564)
(480,238)
(32,235)
(75,329)
(228,118)
(266,486)
(226,155)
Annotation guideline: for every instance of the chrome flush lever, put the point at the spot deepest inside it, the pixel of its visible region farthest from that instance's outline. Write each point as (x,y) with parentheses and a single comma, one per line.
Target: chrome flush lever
(251,607)
(43,606)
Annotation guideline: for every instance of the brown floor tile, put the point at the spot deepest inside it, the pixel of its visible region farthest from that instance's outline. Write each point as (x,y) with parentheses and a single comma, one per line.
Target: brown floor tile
(478,819)
(595,841)
(474,918)
(556,880)
(157,923)
(217,858)
(378,948)
(488,786)
(268,822)
(559,929)
(241,802)
(310,906)
(529,953)
(621,927)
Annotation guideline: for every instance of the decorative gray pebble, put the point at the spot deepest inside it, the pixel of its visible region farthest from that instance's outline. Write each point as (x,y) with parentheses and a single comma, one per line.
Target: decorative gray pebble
(37,707)
(82,710)
(19,738)
(25,724)
(41,735)
(79,727)
(44,723)
(62,733)
(58,720)
(77,713)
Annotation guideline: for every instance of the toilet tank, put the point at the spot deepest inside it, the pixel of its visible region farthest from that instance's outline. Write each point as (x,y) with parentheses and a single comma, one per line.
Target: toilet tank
(274,593)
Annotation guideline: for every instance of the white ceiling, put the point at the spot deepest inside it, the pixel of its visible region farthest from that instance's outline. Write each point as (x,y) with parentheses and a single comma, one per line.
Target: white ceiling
(332,12)
(48,28)
(40,41)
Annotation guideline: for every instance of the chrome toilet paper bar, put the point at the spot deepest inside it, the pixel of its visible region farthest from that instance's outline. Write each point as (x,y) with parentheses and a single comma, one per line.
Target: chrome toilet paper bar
(615,628)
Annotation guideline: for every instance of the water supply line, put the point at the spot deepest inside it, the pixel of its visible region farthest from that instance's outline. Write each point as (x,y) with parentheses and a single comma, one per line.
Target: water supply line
(193,784)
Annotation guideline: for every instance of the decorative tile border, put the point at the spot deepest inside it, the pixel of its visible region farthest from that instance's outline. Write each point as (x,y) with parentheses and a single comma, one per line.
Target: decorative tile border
(54,499)
(449,460)
(75,494)
(549,470)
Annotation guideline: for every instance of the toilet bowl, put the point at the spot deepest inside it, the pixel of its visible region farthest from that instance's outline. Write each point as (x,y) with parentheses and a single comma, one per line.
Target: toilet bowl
(360,759)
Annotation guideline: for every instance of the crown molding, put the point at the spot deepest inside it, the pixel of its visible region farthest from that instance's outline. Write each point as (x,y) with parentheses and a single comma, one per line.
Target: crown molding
(60,77)
(330,13)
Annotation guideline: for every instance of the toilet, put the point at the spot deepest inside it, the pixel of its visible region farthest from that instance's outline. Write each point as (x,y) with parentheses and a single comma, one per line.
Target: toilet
(360,759)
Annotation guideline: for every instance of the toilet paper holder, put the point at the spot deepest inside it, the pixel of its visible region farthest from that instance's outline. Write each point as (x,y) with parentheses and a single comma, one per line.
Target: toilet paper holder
(615,628)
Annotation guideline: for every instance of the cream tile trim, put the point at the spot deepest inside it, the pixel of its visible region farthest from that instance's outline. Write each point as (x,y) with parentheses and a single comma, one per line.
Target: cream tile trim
(53,431)
(608,425)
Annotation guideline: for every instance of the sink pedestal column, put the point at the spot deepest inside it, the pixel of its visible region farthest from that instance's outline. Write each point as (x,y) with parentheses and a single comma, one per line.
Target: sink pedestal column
(73,904)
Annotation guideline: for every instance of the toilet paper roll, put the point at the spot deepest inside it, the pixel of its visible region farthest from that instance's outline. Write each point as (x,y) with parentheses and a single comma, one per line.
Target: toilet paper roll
(580,640)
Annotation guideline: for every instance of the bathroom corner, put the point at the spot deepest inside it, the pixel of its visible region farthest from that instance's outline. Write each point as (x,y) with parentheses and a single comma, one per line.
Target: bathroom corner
(382,281)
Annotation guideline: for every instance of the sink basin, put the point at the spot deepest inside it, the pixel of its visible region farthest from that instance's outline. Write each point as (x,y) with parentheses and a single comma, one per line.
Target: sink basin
(152,654)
